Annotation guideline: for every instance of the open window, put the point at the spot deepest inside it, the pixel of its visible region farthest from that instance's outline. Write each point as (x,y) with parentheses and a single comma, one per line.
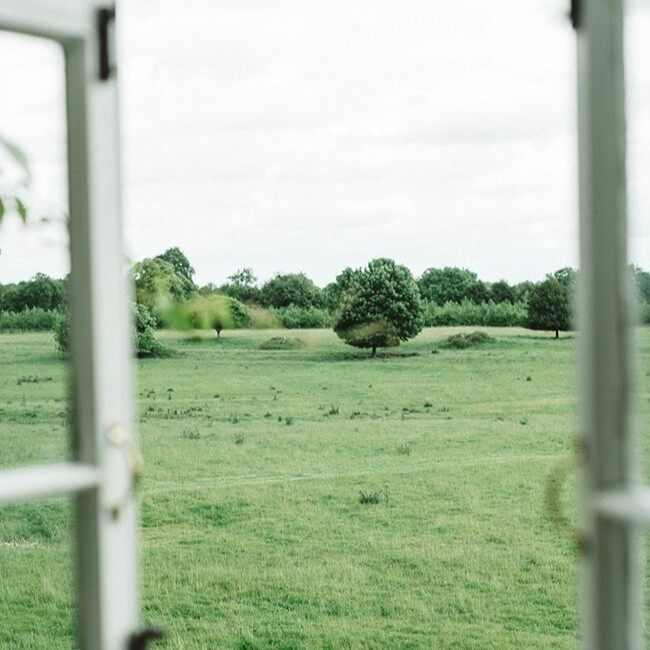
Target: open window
(102,474)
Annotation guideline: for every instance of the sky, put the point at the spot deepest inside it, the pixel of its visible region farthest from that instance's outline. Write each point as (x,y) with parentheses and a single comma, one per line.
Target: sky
(313,135)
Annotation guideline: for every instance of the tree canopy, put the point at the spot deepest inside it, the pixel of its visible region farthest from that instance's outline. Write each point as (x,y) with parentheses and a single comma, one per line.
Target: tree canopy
(379,306)
(156,281)
(291,289)
(181,264)
(450,284)
(549,304)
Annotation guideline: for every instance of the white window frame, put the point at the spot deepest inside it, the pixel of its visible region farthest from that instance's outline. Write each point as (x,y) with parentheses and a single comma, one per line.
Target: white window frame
(614,505)
(102,474)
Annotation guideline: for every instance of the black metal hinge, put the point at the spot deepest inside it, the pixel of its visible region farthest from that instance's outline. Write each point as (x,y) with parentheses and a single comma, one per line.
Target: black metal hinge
(576,13)
(140,640)
(106,34)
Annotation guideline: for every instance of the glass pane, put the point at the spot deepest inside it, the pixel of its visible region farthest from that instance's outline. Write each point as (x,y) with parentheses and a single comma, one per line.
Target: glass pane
(34,257)
(36,561)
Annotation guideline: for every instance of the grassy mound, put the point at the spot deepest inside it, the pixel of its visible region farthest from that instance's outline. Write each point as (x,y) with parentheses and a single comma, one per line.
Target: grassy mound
(282,343)
(461,340)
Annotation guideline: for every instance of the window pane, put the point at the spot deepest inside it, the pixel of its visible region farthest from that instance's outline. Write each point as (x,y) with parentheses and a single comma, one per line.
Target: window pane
(34,257)
(37,591)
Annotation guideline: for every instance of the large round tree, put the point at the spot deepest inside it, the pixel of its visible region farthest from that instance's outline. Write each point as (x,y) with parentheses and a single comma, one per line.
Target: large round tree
(549,306)
(379,306)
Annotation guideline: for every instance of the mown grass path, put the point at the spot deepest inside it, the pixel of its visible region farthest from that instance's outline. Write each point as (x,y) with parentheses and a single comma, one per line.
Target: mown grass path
(253,533)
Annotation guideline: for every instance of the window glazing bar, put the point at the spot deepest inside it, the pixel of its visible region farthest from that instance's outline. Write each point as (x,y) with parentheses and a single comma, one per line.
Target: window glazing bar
(46,480)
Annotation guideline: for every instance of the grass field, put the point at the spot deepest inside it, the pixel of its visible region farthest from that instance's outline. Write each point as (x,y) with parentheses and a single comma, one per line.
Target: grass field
(254,534)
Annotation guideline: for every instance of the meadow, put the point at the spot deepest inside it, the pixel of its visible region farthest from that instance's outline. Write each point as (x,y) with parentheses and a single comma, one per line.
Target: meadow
(311,497)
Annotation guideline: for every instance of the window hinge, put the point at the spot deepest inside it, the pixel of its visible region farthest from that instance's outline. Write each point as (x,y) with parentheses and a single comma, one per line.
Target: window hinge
(106,33)
(140,640)
(576,13)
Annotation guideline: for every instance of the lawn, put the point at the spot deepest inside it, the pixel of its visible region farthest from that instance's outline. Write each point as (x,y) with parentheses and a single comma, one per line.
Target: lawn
(254,534)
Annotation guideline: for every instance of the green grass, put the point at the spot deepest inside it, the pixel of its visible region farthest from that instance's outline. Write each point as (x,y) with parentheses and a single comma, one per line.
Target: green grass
(253,530)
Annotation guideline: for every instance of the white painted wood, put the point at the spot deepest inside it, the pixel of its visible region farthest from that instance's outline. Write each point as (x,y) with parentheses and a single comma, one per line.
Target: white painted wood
(101,353)
(60,20)
(628,506)
(611,590)
(100,336)
(46,480)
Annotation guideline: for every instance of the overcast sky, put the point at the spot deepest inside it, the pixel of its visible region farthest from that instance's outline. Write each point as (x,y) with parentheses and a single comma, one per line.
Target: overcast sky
(311,135)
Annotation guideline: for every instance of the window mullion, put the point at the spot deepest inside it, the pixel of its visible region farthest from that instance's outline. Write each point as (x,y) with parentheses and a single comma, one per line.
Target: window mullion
(611,590)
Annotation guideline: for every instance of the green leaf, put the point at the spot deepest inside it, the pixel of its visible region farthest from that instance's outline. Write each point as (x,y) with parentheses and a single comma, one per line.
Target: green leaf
(21,208)
(19,156)
(2,209)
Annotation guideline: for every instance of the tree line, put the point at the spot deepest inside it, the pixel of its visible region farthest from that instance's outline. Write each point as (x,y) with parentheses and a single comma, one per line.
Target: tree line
(165,289)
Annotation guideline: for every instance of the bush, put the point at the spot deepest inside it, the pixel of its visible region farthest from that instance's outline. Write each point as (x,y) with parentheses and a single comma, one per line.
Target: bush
(146,344)
(293,317)
(32,319)
(467,313)
(264,319)
(461,341)
(62,332)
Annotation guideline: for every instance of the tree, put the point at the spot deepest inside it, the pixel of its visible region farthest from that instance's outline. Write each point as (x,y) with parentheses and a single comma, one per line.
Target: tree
(549,306)
(450,284)
(501,291)
(41,291)
(214,311)
(181,264)
(291,289)
(157,283)
(380,306)
(243,277)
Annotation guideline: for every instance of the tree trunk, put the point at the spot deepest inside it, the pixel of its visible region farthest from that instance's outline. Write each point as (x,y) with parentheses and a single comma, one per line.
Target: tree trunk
(557,334)
(374,352)
(218,333)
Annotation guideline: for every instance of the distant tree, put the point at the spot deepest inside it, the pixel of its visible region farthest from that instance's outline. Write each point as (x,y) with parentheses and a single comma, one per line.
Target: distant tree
(291,289)
(243,277)
(157,282)
(522,290)
(501,291)
(549,305)
(450,284)
(243,286)
(41,291)
(181,264)
(566,276)
(379,307)
(478,292)
(214,311)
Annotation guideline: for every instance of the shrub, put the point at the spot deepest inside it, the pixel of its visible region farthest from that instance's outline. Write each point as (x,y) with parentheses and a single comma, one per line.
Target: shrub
(302,318)
(461,341)
(32,319)
(468,313)
(146,344)
(62,332)
(264,319)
